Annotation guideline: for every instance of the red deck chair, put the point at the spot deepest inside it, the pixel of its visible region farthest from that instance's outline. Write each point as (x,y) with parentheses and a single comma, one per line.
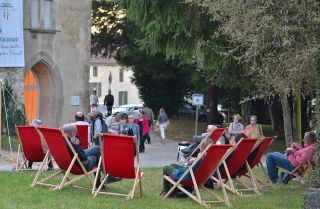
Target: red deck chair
(83,132)
(214,136)
(57,144)
(237,159)
(117,159)
(213,155)
(259,151)
(30,147)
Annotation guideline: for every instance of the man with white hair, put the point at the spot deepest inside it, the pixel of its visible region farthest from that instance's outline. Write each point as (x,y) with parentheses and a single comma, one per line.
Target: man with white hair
(96,124)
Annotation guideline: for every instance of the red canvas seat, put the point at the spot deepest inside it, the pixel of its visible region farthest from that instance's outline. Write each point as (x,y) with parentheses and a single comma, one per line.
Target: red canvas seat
(30,145)
(117,159)
(237,159)
(213,155)
(57,144)
(83,133)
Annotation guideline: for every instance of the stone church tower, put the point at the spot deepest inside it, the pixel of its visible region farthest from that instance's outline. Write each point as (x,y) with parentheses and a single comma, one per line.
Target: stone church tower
(54,83)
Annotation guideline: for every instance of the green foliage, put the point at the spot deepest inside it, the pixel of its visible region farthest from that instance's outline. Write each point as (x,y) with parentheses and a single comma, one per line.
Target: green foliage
(161,83)
(14,115)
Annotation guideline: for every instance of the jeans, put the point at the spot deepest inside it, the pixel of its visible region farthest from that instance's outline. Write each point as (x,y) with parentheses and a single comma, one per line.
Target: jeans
(162,127)
(275,159)
(93,155)
(96,141)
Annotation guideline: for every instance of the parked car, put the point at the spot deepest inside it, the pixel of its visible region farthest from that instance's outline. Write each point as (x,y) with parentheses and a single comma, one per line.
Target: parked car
(128,109)
(188,110)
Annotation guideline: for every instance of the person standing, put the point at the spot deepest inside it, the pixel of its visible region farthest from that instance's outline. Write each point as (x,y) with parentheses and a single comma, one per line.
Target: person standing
(94,100)
(108,102)
(236,127)
(96,125)
(150,116)
(162,122)
(132,129)
(142,121)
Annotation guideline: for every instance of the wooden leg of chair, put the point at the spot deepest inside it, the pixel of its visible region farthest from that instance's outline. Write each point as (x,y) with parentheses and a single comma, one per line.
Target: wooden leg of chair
(18,155)
(96,177)
(40,170)
(253,179)
(66,174)
(102,183)
(195,185)
(136,179)
(226,198)
(140,183)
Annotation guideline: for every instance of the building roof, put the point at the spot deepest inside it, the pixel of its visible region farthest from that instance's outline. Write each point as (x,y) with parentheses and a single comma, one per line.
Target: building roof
(99,60)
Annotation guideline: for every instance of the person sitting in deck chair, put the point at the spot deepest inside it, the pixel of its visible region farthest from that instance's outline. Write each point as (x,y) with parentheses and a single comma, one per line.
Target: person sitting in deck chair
(176,171)
(294,157)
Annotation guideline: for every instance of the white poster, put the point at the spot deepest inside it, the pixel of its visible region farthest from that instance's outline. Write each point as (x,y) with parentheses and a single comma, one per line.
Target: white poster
(11,33)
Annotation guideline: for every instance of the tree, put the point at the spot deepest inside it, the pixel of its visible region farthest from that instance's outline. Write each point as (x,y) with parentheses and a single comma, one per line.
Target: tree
(277,40)
(186,33)
(161,83)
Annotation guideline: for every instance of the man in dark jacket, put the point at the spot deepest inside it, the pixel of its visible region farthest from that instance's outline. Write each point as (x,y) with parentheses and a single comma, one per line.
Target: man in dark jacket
(108,102)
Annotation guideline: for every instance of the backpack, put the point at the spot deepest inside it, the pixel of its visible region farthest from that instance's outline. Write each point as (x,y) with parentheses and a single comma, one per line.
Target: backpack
(103,123)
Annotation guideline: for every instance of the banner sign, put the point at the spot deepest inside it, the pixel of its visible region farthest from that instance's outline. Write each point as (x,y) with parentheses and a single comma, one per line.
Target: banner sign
(11,33)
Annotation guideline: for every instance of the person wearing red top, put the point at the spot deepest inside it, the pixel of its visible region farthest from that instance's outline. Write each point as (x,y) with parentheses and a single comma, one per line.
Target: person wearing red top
(295,156)
(143,123)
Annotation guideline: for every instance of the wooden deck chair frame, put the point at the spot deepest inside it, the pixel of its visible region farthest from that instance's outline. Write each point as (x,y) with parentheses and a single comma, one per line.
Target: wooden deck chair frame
(101,165)
(266,182)
(22,166)
(198,147)
(197,197)
(295,172)
(231,183)
(66,180)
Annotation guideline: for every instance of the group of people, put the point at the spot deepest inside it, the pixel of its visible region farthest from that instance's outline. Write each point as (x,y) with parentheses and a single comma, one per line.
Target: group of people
(294,156)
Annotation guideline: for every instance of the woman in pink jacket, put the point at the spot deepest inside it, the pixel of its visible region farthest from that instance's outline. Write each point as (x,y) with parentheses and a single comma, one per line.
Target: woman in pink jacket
(143,123)
(294,157)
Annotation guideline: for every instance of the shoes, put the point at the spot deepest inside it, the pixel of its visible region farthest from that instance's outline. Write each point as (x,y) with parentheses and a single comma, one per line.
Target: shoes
(30,164)
(113,179)
(98,183)
(162,194)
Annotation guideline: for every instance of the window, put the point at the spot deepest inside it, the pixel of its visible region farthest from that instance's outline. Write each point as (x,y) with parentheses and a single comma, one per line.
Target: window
(95,71)
(35,13)
(95,86)
(121,75)
(47,16)
(123,97)
(42,14)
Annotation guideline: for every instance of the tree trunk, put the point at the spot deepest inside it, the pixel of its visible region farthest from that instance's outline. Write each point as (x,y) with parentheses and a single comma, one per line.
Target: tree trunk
(212,104)
(245,112)
(273,125)
(294,121)
(287,121)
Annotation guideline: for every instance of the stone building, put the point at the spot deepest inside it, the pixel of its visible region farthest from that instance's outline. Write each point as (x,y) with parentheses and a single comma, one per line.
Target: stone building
(123,90)
(53,85)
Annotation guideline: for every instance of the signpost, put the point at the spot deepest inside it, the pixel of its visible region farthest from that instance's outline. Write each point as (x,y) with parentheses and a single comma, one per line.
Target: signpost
(197,100)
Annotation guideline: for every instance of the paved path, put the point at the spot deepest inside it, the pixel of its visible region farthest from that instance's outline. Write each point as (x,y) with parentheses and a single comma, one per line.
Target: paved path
(156,155)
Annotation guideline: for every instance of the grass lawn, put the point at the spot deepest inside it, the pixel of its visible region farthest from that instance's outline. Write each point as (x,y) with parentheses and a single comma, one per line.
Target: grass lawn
(16,193)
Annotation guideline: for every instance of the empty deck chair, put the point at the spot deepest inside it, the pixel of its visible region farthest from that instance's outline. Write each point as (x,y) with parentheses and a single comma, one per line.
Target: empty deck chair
(254,159)
(213,155)
(57,143)
(234,163)
(117,159)
(83,132)
(30,147)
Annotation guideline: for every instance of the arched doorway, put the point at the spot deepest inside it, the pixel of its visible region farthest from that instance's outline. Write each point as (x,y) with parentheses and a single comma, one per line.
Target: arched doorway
(31,96)
(39,94)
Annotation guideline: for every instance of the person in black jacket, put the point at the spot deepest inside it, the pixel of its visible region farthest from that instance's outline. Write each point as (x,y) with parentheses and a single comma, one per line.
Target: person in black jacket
(108,102)
(89,157)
